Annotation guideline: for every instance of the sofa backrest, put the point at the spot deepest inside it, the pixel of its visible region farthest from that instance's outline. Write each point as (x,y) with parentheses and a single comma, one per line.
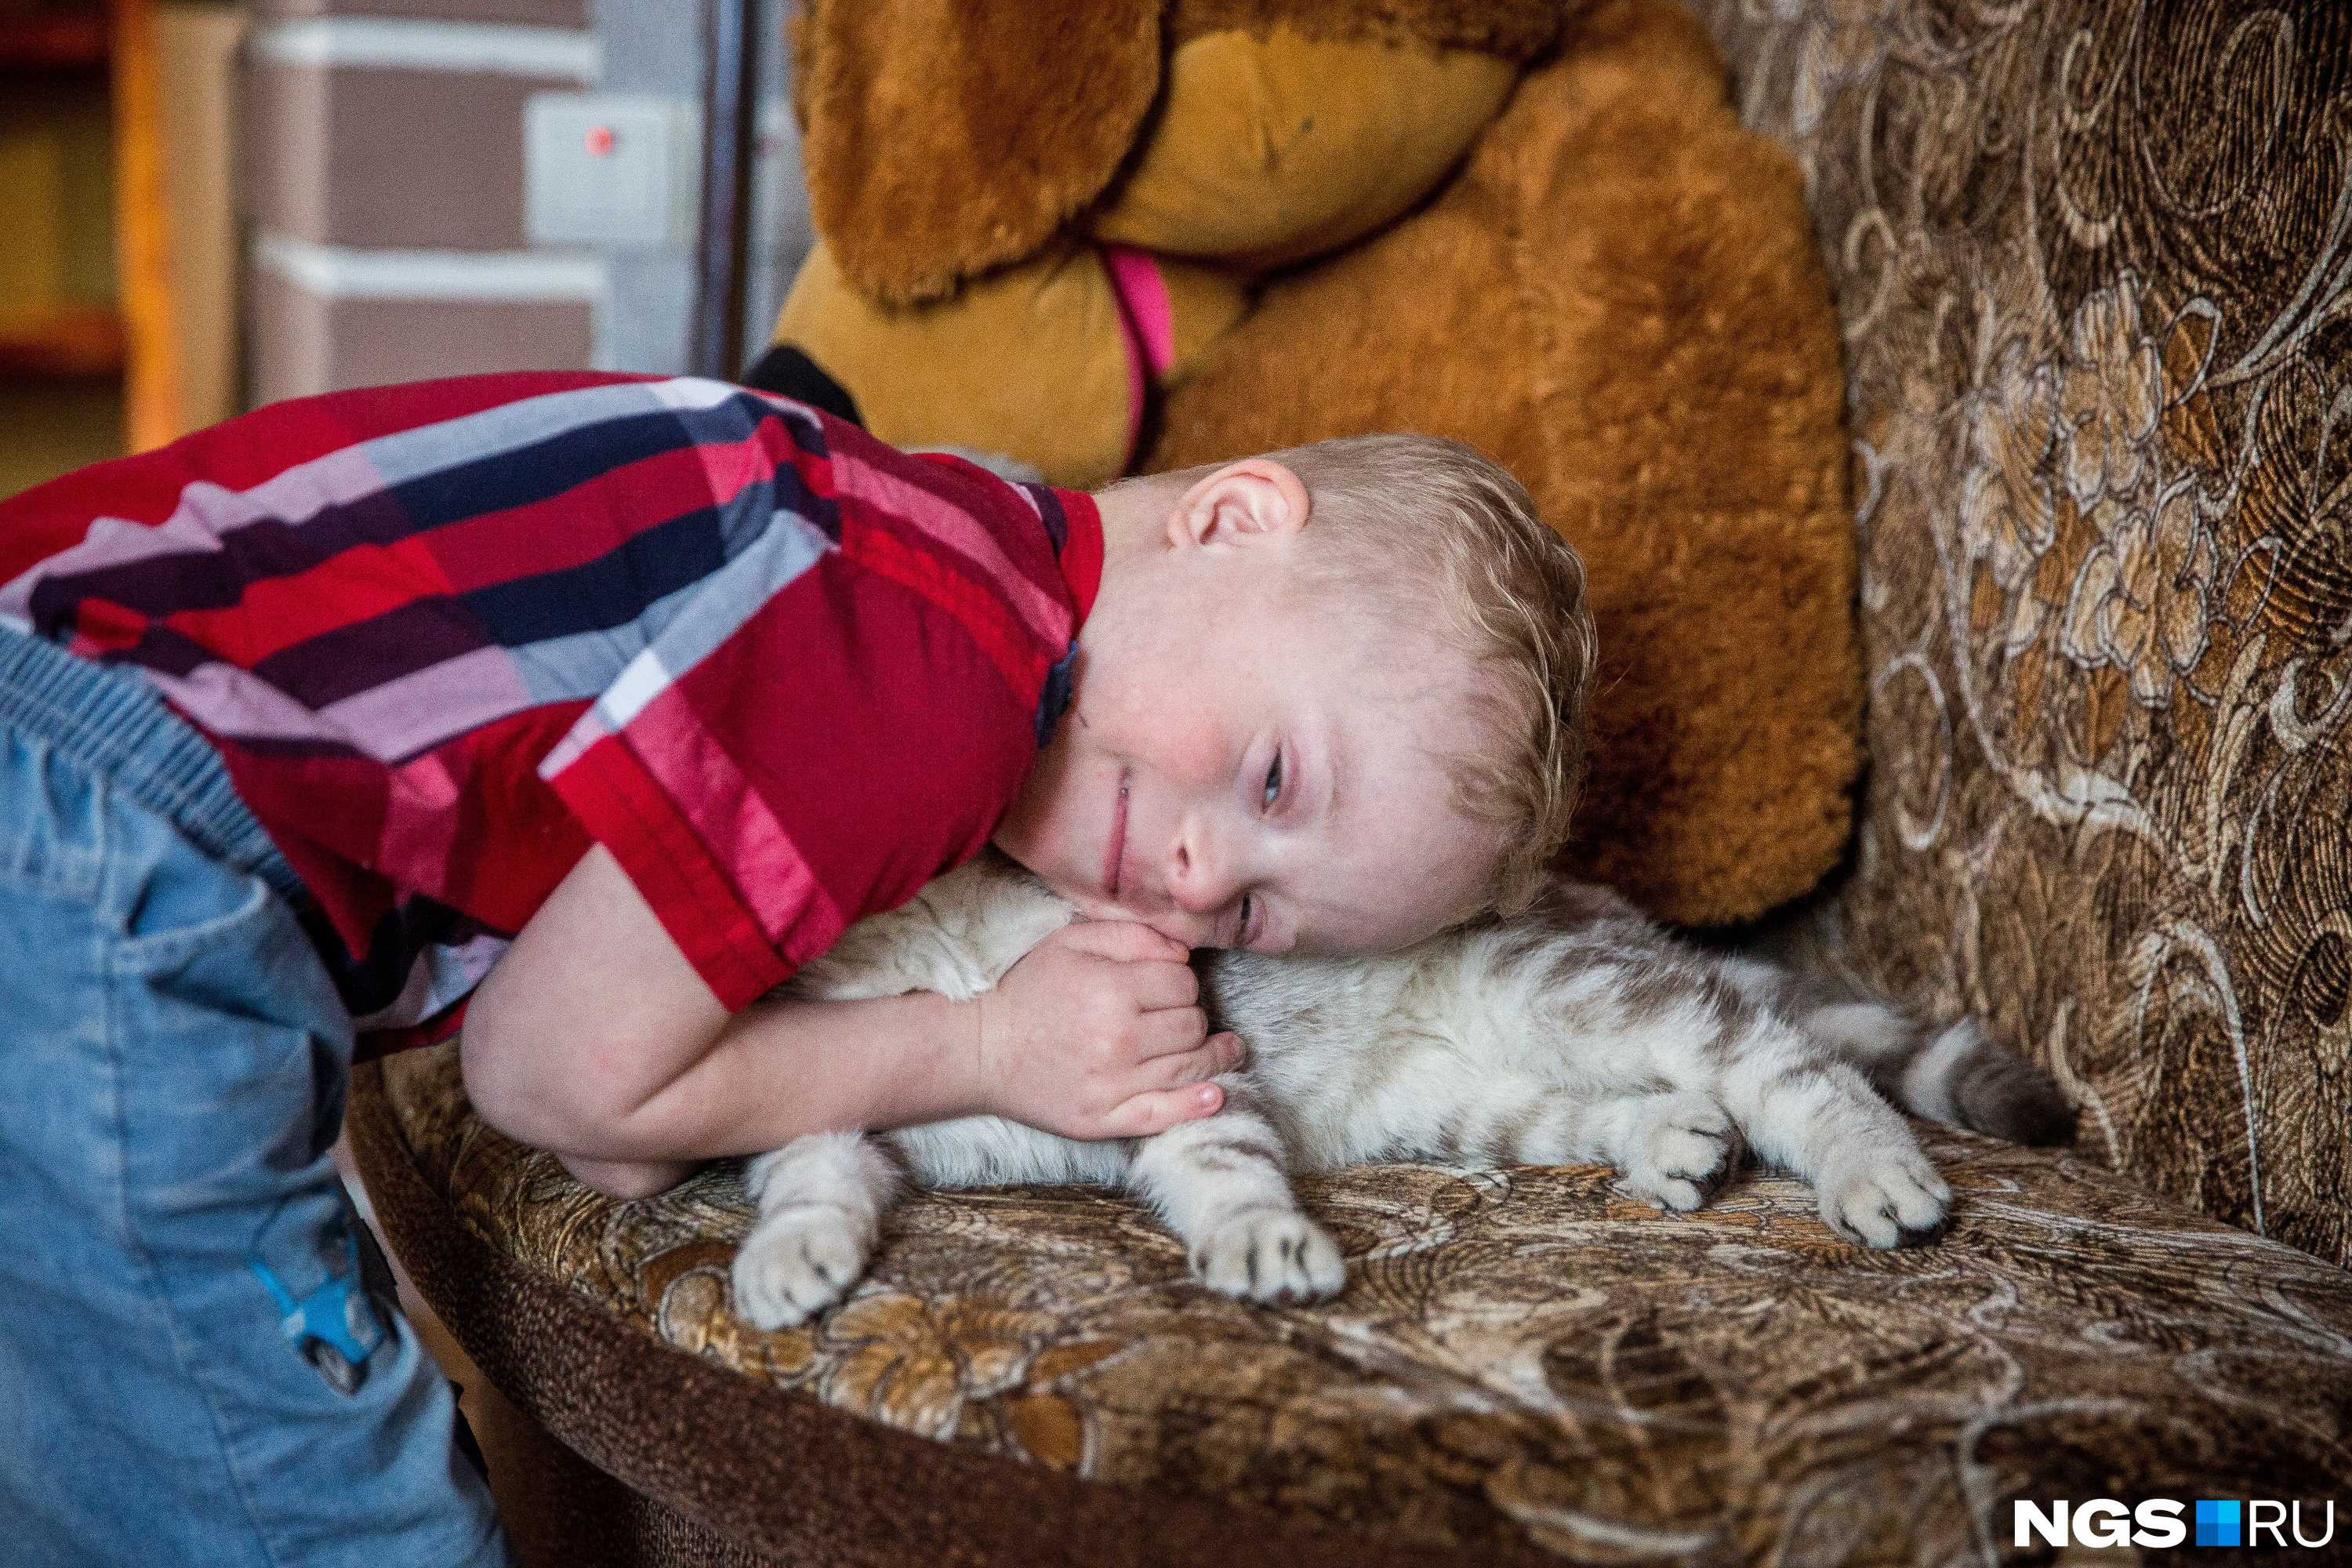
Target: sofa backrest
(2093,265)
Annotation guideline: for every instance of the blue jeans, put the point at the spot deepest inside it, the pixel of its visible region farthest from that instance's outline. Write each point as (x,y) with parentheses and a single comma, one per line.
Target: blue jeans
(191,1370)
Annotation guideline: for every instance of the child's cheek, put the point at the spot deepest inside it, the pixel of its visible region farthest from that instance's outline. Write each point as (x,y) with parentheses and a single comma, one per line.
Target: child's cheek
(1193,750)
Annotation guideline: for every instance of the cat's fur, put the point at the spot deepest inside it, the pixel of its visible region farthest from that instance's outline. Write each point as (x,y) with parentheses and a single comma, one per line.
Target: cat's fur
(1579,1032)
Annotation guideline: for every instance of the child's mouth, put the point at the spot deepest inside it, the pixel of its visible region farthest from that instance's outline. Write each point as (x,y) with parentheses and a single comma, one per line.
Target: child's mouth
(1115,852)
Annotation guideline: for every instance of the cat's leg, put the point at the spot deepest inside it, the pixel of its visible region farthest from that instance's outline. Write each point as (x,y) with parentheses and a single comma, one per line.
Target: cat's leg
(1819,1118)
(1675,1149)
(1221,1184)
(1671,1148)
(821,1199)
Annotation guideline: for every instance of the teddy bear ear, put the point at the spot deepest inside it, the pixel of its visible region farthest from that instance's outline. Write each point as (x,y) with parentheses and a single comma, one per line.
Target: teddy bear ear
(946,137)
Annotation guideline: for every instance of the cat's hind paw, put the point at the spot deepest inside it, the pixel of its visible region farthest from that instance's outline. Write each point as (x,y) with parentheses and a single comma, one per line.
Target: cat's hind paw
(1684,1149)
(1269,1255)
(797,1263)
(1885,1199)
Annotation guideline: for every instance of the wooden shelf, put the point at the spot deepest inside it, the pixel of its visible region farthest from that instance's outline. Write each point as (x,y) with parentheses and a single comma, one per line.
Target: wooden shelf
(67,345)
(137,339)
(70,41)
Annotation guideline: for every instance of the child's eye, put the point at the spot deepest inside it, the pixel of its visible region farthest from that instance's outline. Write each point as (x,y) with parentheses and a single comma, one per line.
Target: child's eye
(1273,782)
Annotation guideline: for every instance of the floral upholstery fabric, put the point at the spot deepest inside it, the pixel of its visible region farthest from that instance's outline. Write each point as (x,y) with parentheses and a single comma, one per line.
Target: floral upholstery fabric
(2092,259)
(1523,1356)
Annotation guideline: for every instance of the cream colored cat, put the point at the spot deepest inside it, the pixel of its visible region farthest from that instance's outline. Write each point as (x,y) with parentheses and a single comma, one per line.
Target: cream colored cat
(1578,1033)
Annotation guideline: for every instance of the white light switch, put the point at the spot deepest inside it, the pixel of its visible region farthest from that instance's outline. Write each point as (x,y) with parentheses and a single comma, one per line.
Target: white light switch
(611,168)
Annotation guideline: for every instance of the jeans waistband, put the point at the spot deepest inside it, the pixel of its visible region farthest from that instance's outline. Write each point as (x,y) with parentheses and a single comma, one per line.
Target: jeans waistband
(112,724)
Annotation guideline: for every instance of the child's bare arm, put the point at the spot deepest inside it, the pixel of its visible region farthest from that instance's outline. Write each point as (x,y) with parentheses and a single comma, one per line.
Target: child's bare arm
(594,1038)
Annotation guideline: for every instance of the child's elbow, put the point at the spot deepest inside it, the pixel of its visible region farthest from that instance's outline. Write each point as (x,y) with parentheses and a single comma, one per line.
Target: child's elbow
(499,1086)
(519,1083)
(552,1088)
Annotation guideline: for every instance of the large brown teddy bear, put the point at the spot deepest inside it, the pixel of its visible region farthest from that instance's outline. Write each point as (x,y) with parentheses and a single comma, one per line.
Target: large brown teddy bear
(1136,234)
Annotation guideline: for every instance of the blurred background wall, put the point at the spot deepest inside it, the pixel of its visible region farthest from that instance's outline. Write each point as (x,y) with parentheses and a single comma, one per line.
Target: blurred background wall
(212,205)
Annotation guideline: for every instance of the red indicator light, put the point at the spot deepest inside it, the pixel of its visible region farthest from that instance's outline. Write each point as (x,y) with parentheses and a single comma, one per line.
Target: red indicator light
(599,140)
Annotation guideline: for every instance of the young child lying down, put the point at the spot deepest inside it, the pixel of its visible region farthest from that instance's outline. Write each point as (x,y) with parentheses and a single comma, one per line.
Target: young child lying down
(1328,700)
(589,709)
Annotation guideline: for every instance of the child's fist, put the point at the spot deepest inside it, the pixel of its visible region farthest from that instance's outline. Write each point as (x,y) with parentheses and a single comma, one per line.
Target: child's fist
(1098,1032)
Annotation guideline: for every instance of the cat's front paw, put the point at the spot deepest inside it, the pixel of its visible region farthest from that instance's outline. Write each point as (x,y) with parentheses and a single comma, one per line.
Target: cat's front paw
(1683,1150)
(1884,1198)
(1269,1255)
(795,1265)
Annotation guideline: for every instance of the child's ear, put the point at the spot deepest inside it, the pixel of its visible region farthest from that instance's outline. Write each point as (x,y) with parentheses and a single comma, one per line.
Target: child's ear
(1253,501)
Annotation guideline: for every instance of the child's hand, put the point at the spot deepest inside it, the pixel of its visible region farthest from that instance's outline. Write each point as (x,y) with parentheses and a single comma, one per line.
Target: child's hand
(1098,1032)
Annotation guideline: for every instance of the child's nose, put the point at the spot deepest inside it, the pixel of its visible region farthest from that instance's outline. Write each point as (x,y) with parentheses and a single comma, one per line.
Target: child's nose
(1199,877)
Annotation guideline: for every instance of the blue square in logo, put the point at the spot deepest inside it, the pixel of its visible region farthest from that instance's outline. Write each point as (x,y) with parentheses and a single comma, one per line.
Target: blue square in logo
(2217,1523)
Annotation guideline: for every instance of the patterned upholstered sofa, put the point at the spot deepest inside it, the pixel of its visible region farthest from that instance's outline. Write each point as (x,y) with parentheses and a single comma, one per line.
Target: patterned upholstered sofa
(2093,260)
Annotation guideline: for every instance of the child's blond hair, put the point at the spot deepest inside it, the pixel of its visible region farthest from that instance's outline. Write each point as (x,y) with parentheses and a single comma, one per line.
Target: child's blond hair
(1428,529)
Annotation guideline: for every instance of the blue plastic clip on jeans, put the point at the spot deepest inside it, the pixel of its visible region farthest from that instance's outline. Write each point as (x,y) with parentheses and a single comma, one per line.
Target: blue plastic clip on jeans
(333,1327)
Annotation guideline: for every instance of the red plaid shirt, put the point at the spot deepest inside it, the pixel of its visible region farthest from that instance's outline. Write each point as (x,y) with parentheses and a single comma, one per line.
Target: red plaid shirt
(445,635)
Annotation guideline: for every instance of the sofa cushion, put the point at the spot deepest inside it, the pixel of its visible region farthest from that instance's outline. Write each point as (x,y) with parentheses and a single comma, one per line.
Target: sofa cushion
(2088,261)
(1524,1365)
